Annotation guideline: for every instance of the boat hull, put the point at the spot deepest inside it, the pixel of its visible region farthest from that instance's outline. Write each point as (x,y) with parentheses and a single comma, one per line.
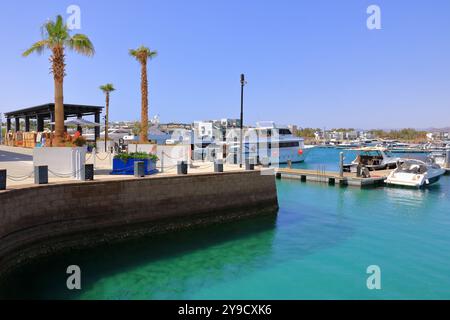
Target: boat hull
(423,181)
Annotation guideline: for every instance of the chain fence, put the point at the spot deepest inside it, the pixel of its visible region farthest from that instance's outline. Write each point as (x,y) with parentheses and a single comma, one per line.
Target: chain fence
(160,166)
(108,155)
(20,178)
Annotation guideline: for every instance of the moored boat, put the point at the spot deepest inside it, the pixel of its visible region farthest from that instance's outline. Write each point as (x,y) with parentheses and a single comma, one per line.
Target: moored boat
(373,158)
(415,173)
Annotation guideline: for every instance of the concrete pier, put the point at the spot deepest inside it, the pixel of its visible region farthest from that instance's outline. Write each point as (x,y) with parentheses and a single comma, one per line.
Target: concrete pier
(42,219)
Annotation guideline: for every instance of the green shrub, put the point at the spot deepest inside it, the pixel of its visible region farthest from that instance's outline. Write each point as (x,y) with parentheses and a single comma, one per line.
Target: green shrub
(80,141)
(136,156)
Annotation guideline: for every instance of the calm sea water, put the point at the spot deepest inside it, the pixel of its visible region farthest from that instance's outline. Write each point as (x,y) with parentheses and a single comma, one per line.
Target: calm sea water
(318,247)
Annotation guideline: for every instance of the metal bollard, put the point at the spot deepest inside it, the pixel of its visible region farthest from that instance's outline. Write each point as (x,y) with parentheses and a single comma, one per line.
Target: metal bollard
(218,166)
(89,172)
(3,176)
(289,164)
(139,169)
(249,164)
(182,167)
(41,175)
(341,164)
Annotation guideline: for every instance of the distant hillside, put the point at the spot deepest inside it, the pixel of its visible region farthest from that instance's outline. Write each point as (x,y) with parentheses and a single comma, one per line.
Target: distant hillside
(447,129)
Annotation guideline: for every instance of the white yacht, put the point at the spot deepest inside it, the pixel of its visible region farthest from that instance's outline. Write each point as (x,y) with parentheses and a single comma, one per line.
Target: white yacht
(415,173)
(373,158)
(272,144)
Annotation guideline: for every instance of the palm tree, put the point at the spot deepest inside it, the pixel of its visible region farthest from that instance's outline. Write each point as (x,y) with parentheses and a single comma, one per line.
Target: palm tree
(56,38)
(107,89)
(143,54)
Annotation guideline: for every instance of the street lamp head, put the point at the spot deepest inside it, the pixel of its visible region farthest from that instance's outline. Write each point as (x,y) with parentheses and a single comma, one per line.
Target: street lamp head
(243,82)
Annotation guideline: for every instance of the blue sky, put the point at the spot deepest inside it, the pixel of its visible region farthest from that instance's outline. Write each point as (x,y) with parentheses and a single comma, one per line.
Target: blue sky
(308,62)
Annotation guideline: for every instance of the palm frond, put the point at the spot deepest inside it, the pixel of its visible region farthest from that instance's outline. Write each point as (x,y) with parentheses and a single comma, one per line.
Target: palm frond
(143,53)
(109,87)
(80,43)
(55,32)
(39,47)
(132,52)
(152,54)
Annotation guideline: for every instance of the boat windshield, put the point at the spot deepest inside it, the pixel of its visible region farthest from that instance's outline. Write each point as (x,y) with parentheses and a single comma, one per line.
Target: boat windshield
(413,167)
(371,153)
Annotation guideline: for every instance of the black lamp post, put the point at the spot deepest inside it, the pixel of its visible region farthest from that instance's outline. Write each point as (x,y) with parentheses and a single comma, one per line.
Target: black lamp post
(243,83)
(106,133)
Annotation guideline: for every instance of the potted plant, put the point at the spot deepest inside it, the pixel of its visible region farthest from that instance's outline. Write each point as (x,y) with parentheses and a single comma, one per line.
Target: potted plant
(67,159)
(123,163)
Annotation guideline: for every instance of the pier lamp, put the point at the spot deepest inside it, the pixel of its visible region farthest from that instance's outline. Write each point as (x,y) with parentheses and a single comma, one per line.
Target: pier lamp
(243,83)
(106,133)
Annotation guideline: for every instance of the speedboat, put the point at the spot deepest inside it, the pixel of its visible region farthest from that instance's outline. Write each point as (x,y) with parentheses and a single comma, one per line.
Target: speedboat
(373,158)
(415,173)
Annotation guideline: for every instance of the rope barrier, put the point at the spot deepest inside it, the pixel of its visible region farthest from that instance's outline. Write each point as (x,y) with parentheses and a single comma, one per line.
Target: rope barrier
(22,178)
(75,173)
(170,157)
(65,175)
(167,168)
(107,156)
(205,165)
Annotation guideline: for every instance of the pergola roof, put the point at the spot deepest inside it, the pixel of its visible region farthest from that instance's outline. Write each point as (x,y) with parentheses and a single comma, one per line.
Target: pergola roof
(70,110)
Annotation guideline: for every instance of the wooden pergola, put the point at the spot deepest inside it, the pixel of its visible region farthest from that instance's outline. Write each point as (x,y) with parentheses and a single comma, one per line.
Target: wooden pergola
(47,112)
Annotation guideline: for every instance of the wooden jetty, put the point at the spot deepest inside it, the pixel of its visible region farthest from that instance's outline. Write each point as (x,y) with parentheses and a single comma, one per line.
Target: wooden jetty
(376,178)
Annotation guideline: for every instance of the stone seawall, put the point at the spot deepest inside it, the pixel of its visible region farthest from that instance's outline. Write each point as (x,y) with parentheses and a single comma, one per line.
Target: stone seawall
(41,220)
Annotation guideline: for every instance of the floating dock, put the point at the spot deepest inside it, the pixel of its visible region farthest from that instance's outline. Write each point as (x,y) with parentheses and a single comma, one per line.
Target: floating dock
(376,178)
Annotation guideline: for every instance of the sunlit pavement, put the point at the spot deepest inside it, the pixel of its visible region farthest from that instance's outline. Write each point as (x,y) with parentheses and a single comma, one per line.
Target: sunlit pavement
(19,165)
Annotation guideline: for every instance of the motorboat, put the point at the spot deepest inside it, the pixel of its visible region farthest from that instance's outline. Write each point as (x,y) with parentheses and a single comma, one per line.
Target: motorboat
(373,158)
(349,145)
(415,173)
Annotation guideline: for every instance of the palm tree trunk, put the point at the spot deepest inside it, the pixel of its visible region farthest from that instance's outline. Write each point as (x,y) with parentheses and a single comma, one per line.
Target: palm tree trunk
(58,69)
(106,120)
(144,108)
(59,111)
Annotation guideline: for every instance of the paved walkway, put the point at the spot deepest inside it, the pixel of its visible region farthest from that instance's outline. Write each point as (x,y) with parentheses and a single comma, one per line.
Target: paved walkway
(22,151)
(19,165)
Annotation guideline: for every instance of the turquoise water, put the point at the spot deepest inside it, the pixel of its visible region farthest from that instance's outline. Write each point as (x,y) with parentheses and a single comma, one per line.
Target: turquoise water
(318,247)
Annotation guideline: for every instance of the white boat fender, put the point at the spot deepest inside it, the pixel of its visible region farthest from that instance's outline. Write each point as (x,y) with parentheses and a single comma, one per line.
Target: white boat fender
(427,181)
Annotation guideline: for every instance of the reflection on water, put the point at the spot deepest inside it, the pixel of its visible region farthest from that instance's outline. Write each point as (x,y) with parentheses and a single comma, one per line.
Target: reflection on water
(406,196)
(157,267)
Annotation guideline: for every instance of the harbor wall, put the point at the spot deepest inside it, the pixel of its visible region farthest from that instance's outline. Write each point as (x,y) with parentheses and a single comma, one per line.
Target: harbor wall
(41,220)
